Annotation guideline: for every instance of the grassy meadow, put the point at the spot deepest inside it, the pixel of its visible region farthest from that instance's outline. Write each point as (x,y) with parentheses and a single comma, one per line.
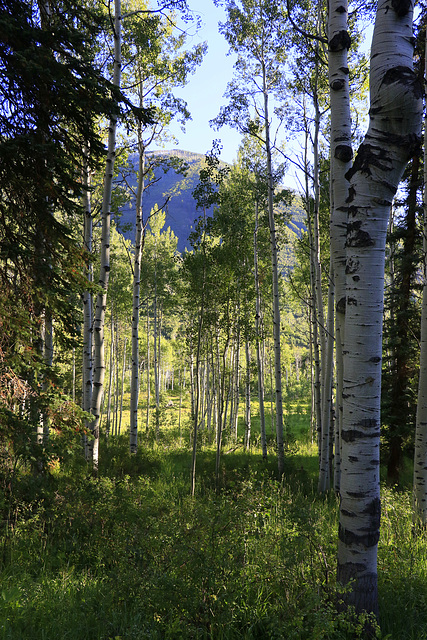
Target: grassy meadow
(129,555)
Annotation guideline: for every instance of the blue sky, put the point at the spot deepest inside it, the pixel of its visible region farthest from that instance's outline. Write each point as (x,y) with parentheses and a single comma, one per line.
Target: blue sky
(204,92)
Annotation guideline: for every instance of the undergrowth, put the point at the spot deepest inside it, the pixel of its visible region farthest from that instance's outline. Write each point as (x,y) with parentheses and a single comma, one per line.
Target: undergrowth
(129,555)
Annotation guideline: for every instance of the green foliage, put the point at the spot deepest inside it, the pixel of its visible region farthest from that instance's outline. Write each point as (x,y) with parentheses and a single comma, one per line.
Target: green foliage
(130,555)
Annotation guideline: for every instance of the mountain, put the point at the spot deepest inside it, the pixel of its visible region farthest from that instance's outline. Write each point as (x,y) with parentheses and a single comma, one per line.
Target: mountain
(168,186)
(176,189)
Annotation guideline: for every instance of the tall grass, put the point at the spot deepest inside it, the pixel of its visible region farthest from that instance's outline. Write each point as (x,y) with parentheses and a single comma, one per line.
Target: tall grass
(131,556)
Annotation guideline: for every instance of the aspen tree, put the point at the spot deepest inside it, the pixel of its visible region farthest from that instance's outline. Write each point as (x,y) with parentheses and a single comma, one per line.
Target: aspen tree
(341,155)
(420,454)
(101,300)
(392,137)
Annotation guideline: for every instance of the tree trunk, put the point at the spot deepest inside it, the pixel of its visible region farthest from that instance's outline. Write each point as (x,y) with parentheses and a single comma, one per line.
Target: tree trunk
(392,138)
(276,299)
(341,155)
(258,325)
(420,455)
(87,297)
(134,392)
(101,300)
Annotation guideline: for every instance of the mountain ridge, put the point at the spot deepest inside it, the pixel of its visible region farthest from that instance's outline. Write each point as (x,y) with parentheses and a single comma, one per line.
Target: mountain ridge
(176,191)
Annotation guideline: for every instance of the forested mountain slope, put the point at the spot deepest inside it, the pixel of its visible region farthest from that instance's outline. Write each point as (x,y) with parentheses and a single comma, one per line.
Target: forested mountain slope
(176,190)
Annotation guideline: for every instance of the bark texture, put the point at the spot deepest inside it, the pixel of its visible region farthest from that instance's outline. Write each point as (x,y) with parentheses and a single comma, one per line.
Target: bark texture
(341,155)
(392,136)
(420,457)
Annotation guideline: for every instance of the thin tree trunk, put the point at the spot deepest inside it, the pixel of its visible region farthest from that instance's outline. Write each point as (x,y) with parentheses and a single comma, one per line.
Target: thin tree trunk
(87,297)
(341,155)
(276,299)
(101,300)
(134,392)
(247,440)
(123,383)
(258,325)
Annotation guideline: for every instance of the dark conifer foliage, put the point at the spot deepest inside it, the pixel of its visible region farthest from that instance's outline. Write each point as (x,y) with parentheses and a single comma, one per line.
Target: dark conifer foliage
(52,96)
(402,310)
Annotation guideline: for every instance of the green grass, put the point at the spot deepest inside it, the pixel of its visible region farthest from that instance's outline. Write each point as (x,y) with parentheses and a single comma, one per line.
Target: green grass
(129,555)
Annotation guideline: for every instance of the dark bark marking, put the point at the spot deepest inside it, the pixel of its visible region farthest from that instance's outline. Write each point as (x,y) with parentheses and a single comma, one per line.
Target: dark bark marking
(356,278)
(345,70)
(341,304)
(369,423)
(340,9)
(368,539)
(351,194)
(337,85)
(343,152)
(340,41)
(401,7)
(352,266)
(348,514)
(356,237)
(375,359)
(351,435)
(370,155)
(352,301)
(353,458)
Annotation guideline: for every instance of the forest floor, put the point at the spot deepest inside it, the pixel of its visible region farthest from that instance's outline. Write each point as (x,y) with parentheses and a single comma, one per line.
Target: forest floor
(130,555)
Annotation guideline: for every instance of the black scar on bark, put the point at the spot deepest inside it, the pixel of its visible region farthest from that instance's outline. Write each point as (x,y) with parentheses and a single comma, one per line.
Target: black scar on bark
(352,266)
(356,278)
(356,237)
(375,359)
(373,509)
(343,152)
(352,301)
(340,9)
(351,435)
(401,7)
(337,85)
(340,41)
(341,304)
(369,539)
(369,155)
(406,76)
(351,194)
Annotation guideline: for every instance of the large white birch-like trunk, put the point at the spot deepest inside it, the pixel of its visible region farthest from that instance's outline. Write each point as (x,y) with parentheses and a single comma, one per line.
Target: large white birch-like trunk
(392,137)
(341,155)
(101,300)
(420,456)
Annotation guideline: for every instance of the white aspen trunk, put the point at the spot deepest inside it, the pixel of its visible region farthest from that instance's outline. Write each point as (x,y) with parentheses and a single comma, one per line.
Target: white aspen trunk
(236,388)
(156,357)
(134,391)
(341,155)
(117,380)
(420,454)
(317,382)
(111,381)
(87,297)
(101,300)
(258,324)
(392,137)
(325,457)
(122,384)
(147,417)
(197,398)
(276,300)
(247,440)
